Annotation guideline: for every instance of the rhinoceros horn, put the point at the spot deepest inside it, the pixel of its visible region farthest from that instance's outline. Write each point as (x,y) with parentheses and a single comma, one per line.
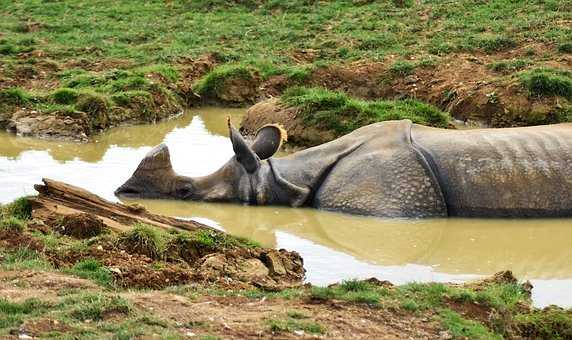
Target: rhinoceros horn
(268,140)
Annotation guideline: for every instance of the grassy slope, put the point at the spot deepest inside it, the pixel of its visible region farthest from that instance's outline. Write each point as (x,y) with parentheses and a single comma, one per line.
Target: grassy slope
(156,32)
(253,35)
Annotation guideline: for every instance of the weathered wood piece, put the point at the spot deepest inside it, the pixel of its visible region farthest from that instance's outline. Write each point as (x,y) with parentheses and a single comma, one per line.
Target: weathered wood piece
(60,199)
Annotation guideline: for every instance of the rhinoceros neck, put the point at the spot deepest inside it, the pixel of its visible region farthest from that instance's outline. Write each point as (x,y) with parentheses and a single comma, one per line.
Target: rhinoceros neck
(297,177)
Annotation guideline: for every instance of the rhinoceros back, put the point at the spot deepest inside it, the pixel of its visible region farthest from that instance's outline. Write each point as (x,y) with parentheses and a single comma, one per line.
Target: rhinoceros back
(514,172)
(385,176)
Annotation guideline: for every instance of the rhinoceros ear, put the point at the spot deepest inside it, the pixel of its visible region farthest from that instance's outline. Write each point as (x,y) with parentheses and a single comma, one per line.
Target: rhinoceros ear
(242,151)
(268,140)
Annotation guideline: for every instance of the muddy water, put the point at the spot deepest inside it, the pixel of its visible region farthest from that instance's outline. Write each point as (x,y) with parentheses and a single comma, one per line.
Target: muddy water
(334,246)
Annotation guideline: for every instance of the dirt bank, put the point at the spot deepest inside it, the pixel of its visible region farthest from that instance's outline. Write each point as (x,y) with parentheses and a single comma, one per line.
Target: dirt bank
(467,87)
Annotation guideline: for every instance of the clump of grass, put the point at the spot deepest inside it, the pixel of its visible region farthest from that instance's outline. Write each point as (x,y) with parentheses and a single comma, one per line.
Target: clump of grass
(12,224)
(23,258)
(425,295)
(292,324)
(143,239)
(92,269)
(96,106)
(507,66)
(548,82)
(14,96)
(502,296)
(496,44)
(565,47)
(12,314)
(65,96)
(338,112)
(294,314)
(20,208)
(402,68)
(463,328)
(213,82)
(96,306)
(351,290)
(167,71)
(550,323)
(217,240)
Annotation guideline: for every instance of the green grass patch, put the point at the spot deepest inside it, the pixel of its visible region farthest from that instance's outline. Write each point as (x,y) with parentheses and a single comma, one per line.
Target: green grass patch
(12,224)
(402,68)
(509,66)
(548,82)
(92,269)
(460,327)
(565,47)
(350,290)
(23,258)
(15,96)
(213,82)
(12,314)
(143,239)
(95,306)
(291,324)
(338,112)
(21,208)
(550,323)
(65,96)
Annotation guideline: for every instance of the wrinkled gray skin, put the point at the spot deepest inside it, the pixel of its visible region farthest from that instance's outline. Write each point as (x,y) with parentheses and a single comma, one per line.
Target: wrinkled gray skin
(389,169)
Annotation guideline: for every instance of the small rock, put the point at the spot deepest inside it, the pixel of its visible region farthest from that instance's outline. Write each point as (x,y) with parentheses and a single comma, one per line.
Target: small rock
(299,333)
(99,247)
(445,335)
(115,270)
(190,334)
(24,336)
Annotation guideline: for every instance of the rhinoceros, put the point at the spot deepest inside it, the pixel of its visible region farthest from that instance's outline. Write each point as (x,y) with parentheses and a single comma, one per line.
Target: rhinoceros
(387,169)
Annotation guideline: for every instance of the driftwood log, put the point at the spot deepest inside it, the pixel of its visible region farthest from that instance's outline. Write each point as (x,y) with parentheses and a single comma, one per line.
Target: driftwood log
(61,199)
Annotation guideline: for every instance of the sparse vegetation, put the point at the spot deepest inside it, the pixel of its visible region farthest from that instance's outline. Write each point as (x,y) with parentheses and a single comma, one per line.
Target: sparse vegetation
(143,239)
(292,324)
(95,307)
(20,209)
(338,112)
(93,270)
(548,82)
(12,224)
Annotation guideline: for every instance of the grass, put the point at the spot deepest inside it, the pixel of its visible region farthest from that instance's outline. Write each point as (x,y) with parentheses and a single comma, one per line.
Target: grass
(23,258)
(12,314)
(293,324)
(509,66)
(462,328)
(97,49)
(21,209)
(143,239)
(12,224)
(377,28)
(352,291)
(92,269)
(95,306)
(214,82)
(548,82)
(338,112)
(551,323)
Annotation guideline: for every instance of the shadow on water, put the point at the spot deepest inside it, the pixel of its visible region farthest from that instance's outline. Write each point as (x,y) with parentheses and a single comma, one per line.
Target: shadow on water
(334,246)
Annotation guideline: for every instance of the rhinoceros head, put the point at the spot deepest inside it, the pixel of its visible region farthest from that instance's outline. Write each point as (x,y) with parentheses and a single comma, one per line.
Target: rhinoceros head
(155,177)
